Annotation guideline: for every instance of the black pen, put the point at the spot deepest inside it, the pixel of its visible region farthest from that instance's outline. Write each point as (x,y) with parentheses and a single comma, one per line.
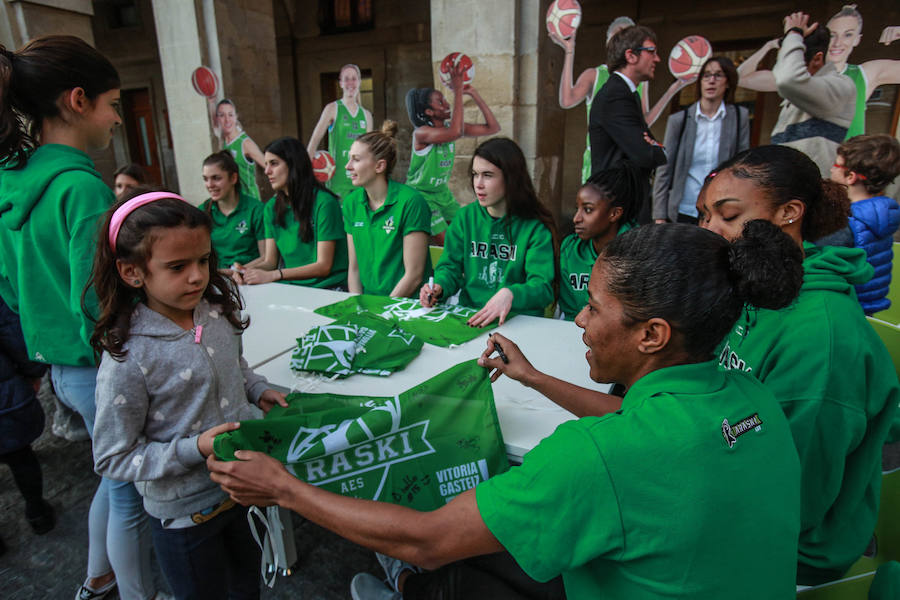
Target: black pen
(499,349)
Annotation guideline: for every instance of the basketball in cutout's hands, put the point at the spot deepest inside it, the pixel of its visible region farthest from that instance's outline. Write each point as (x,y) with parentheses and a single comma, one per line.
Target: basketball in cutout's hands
(450,61)
(688,55)
(205,82)
(563,18)
(323,165)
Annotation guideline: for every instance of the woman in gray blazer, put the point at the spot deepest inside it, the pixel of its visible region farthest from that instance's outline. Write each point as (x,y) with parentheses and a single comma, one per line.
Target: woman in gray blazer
(698,138)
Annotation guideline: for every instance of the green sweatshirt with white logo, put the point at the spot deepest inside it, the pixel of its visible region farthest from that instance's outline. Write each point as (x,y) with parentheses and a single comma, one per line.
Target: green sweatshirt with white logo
(483,254)
(836,383)
(49,215)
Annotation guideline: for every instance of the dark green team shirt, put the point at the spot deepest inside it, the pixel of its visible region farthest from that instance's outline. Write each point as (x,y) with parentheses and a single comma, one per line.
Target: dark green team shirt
(576,259)
(235,237)
(483,254)
(326,226)
(691,490)
(378,235)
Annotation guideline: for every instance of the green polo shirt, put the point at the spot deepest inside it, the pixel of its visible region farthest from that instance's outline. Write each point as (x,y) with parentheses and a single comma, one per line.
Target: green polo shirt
(235,237)
(326,226)
(691,490)
(378,235)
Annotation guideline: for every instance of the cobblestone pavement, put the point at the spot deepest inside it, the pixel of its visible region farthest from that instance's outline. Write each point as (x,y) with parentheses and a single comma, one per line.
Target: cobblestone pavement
(52,566)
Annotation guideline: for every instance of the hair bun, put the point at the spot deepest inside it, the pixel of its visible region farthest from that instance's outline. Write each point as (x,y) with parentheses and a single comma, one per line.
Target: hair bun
(766,265)
(390,128)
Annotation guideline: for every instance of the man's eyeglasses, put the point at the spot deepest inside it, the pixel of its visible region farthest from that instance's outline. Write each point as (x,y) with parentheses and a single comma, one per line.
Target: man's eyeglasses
(712,76)
(639,49)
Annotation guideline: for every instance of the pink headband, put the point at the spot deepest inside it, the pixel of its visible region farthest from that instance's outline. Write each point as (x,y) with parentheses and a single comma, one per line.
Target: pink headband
(126,209)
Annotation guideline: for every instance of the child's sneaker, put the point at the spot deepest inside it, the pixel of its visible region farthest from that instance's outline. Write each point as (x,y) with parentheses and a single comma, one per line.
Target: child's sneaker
(86,593)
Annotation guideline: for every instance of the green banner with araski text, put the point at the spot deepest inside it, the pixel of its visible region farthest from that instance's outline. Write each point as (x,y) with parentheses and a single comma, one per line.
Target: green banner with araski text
(420,448)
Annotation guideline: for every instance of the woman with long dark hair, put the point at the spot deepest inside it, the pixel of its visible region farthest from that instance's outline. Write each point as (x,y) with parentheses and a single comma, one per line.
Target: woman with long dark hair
(502,251)
(303,225)
(238,233)
(59,100)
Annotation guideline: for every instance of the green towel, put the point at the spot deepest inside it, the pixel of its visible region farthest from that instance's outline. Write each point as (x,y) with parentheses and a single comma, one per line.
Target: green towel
(420,448)
(442,325)
(360,343)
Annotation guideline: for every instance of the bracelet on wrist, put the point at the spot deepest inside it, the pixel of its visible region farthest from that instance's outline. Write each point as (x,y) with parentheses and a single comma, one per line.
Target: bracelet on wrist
(280,274)
(794,29)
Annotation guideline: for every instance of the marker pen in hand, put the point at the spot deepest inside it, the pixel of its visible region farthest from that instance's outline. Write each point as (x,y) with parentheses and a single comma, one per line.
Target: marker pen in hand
(498,349)
(430,288)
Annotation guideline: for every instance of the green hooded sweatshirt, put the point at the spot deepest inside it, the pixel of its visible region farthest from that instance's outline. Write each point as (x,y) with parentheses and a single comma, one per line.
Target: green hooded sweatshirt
(49,214)
(483,254)
(836,383)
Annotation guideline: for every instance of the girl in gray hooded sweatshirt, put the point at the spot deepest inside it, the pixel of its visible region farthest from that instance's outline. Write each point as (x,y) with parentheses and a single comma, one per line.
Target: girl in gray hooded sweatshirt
(171,378)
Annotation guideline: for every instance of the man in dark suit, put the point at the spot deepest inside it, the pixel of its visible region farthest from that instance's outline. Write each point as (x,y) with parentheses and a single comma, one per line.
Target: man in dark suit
(617,129)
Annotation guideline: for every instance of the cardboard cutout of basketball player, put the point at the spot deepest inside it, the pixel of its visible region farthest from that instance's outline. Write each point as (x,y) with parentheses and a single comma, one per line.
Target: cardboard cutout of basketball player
(846,33)
(591,80)
(345,120)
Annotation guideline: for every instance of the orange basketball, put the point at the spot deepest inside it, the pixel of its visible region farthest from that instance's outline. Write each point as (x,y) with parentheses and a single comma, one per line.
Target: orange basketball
(453,59)
(205,82)
(323,166)
(563,18)
(688,56)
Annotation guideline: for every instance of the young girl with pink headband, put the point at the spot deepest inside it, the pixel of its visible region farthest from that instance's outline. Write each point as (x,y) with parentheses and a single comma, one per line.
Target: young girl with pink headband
(171,378)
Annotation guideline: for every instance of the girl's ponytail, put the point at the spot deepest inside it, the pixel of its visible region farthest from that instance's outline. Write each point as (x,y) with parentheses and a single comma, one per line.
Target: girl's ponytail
(765,265)
(31,82)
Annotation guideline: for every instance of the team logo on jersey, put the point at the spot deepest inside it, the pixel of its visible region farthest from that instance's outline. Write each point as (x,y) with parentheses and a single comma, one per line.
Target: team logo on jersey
(492,250)
(732,432)
(242,227)
(579,281)
(389,226)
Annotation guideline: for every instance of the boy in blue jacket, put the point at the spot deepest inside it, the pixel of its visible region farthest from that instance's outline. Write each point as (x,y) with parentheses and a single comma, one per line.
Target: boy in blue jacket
(867,164)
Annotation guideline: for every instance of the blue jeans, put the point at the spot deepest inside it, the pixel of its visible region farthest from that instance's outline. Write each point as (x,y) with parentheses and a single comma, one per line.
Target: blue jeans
(118,533)
(213,560)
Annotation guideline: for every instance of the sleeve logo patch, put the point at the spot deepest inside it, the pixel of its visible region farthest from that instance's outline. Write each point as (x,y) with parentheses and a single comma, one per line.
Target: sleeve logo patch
(732,432)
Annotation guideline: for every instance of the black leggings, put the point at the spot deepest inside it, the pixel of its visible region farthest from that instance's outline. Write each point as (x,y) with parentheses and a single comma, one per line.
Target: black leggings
(495,576)
(26,471)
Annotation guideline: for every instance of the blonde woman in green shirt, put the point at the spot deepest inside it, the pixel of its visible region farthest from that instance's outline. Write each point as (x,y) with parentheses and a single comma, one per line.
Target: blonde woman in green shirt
(303,225)
(387,223)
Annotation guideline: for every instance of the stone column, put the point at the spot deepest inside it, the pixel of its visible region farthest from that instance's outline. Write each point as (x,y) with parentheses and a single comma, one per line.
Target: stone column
(180,39)
(503,39)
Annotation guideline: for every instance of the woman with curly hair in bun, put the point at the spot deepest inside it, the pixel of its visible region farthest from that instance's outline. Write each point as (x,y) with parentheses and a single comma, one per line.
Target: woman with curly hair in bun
(825,364)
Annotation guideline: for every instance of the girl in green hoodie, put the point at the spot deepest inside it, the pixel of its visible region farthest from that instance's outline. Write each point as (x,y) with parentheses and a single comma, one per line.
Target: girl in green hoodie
(828,369)
(502,251)
(51,200)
